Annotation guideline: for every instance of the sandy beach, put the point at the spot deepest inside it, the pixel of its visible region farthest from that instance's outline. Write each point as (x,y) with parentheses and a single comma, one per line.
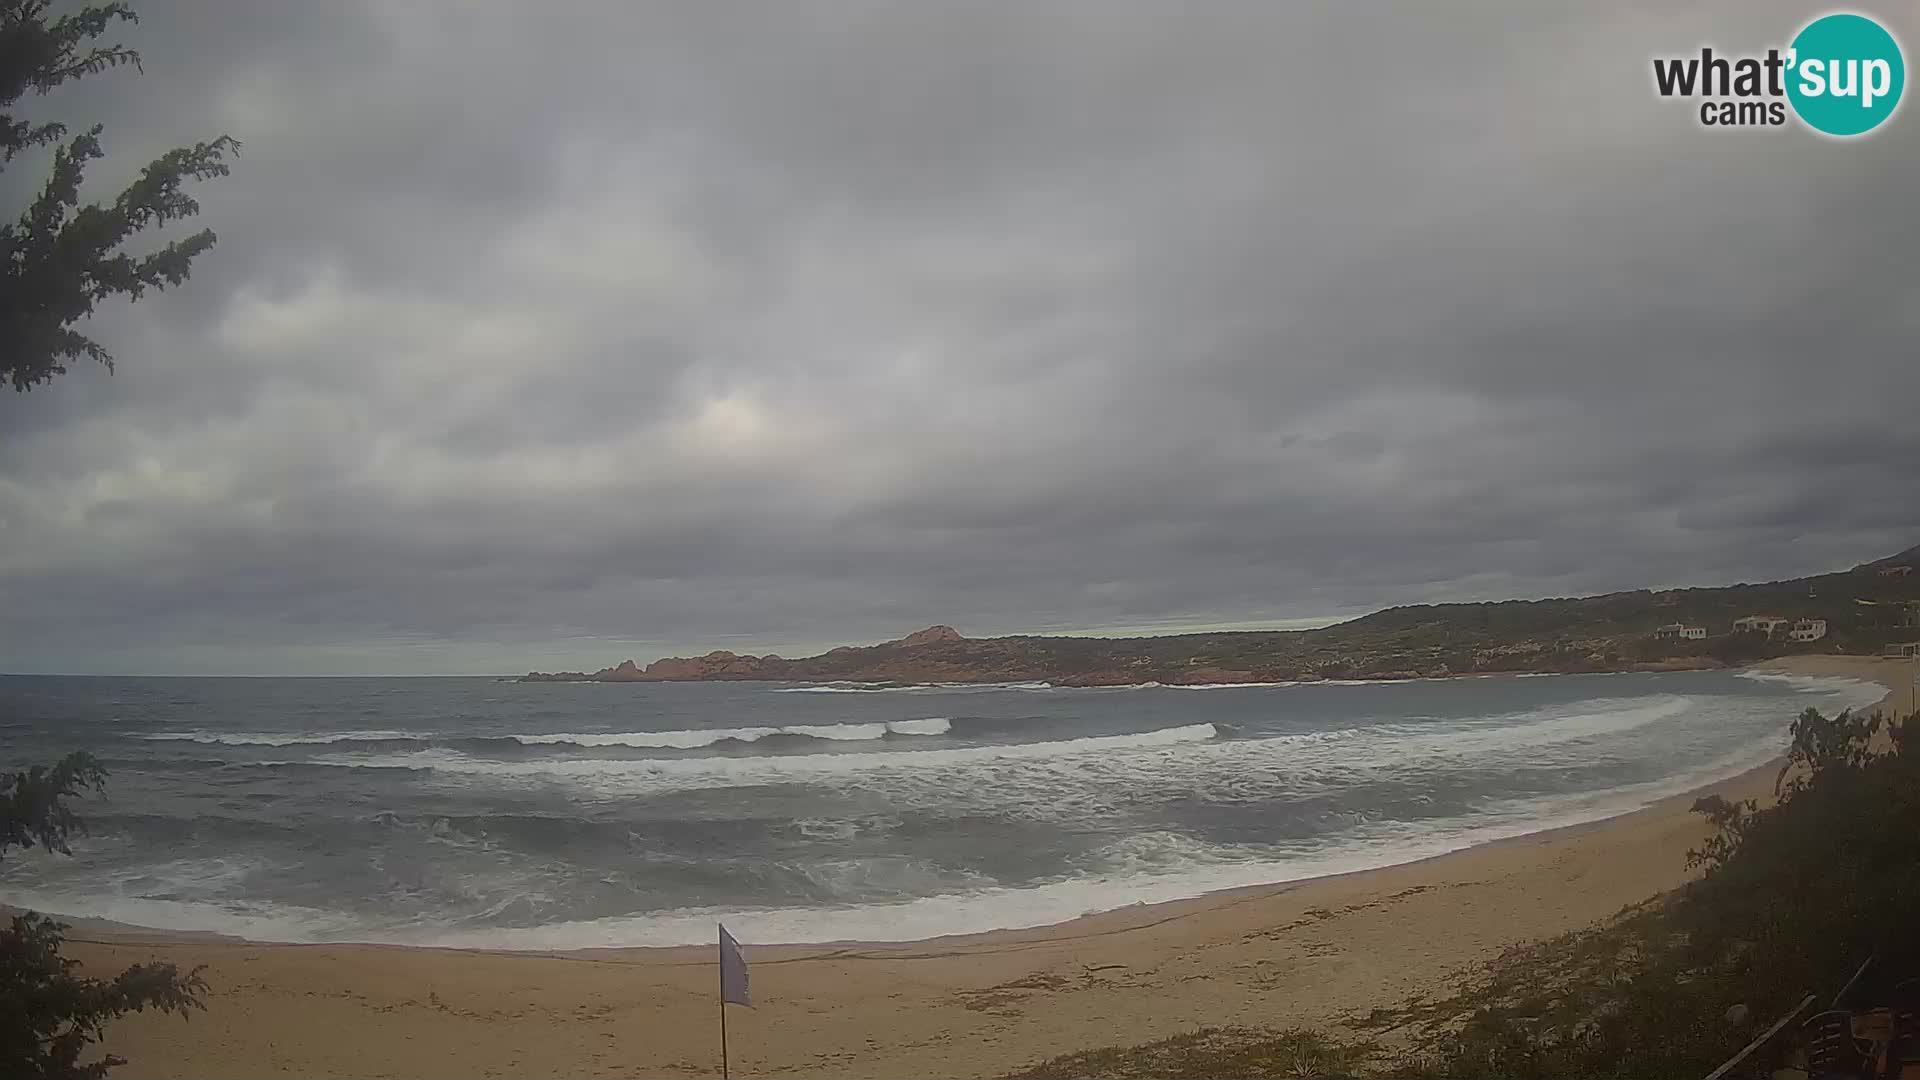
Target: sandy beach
(1309,953)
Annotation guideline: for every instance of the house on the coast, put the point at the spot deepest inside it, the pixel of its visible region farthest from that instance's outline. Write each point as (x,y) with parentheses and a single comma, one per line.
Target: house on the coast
(1895,571)
(1680,632)
(1765,625)
(1807,630)
(1902,650)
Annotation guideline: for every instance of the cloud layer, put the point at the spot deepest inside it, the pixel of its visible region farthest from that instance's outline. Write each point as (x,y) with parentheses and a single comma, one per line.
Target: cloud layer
(552,334)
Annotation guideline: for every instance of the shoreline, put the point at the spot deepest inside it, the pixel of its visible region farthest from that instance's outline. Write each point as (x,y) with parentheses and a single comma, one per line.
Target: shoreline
(1304,952)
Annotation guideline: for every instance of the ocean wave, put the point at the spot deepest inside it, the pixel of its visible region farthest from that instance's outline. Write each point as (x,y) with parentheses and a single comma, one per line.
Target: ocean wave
(1589,719)
(1215,754)
(730,771)
(607,849)
(217,767)
(255,920)
(1145,868)
(691,739)
(1095,776)
(1182,869)
(696,738)
(299,766)
(275,738)
(1853,693)
(1060,776)
(1232,685)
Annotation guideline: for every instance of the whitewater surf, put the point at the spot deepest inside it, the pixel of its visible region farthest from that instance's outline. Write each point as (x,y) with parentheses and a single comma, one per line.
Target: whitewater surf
(470,812)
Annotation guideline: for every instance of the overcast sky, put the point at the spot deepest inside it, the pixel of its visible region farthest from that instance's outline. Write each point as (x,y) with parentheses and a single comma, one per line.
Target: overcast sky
(545,335)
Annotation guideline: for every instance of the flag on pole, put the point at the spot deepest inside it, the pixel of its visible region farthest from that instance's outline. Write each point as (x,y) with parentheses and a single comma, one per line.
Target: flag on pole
(733,971)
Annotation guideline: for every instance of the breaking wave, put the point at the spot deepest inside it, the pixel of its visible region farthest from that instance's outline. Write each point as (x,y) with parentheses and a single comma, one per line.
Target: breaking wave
(726,770)
(541,821)
(690,739)
(1853,693)
(272,738)
(694,739)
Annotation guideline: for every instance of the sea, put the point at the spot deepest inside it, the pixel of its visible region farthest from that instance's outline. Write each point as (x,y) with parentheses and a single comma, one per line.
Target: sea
(480,812)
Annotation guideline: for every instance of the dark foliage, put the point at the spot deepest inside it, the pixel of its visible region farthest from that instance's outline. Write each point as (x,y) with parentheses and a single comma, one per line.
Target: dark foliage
(33,808)
(59,258)
(1209,1053)
(50,1014)
(1797,895)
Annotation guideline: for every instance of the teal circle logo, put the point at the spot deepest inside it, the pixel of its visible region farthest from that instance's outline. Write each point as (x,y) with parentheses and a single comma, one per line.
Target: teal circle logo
(1846,74)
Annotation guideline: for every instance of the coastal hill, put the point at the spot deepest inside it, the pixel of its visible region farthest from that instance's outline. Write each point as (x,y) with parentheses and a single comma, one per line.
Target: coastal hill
(1864,609)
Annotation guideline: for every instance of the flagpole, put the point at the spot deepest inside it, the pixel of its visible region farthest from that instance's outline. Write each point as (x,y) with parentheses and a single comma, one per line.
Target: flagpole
(724,1073)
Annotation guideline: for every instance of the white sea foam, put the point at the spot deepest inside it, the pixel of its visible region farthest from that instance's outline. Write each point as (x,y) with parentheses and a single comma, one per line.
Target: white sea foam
(669,773)
(1229,685)
(1074,776)
(693,739)
(679,740)
(1538,727)
(1073,779)
(932,725)
(1143,869)
(255,920)
(1851,693)
(274,738)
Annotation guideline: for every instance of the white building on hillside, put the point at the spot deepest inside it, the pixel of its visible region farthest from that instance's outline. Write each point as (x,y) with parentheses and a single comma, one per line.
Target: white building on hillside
(1808,630)
(1759,624)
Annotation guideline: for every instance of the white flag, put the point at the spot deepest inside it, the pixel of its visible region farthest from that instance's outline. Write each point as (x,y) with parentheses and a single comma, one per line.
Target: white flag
(733,971)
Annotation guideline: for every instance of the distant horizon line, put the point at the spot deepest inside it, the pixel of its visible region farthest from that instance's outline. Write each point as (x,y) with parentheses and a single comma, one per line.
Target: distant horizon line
(191,675)
(1172,627)
(1134,630)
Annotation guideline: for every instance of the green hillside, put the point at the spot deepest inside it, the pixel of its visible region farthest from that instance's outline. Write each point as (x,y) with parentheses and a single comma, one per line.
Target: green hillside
(1864,609)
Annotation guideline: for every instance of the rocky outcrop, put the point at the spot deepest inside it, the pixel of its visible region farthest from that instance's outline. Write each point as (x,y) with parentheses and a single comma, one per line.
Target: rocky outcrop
(932,635)
(922,656)
(715,665)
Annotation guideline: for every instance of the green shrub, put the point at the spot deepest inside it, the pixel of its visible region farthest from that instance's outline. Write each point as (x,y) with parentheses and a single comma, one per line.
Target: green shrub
(1210,1053)
(49,1015)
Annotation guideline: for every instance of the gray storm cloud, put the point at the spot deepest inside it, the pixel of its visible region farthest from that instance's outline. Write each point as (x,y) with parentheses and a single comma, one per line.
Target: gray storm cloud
(551,335)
